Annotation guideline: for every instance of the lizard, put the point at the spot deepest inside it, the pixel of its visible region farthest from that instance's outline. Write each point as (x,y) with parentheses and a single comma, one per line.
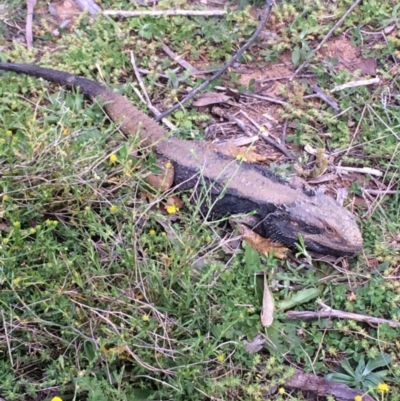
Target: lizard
(281,212)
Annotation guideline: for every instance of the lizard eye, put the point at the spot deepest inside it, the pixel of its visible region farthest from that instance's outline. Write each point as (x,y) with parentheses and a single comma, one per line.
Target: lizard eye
(329,229)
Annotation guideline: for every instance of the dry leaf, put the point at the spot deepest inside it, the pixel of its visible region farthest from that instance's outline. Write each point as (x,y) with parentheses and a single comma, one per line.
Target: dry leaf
(208,98)
(64,9)
(260,244)
(255,345)
(352,297)
(367,66)
(246,154)
(268,307)
(175,201)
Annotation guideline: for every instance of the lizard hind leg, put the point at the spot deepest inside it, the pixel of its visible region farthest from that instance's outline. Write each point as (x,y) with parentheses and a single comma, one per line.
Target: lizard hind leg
(163,179)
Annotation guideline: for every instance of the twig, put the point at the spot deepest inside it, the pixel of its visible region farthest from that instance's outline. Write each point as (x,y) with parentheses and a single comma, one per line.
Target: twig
(178,59)
(7,338)
(265,136)
(381,191)
(354,84)
(325,98)
(30,5)
(225,67)
(362,170)
(323,387)
(261,81)
(153,109)
(328,35)
(328,312)
(157,13)
(267,98)
(284,131)
(141,84)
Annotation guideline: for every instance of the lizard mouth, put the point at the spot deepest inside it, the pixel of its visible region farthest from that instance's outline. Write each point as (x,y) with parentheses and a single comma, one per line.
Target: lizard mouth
(326,250)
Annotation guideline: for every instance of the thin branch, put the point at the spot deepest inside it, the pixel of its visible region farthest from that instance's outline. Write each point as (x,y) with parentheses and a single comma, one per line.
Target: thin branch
(381,191)
(153,109)
(325,98)
(178,59)
(328,312)
(354,84)
(328,35)
(225,67)
(361,170)
(159,13)
(322,387)
(30,5)
(266,98)
(267,138)
(263,80)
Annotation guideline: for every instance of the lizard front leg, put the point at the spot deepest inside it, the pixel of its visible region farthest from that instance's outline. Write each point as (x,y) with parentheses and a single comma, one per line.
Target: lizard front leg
(256,241)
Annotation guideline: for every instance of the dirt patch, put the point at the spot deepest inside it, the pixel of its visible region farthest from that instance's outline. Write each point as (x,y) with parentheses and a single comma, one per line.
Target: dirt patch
(349,57)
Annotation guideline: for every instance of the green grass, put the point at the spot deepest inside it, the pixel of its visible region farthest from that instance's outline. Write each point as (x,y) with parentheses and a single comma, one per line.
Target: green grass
(106,296)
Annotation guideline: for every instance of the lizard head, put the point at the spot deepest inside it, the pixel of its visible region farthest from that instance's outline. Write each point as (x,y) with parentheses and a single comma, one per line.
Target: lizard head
(326,227)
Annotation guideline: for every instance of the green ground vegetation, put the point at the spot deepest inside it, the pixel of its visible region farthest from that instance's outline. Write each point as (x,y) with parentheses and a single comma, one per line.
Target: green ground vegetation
(109,294)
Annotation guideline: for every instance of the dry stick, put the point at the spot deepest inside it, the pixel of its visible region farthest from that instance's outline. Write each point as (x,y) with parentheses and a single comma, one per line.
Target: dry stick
(381,191)
(267,139)
(267,98)
(325,98)
(225,67)
(261,81)
(328,312)
(328,35)
(30,5)
(153,109)
(361,170)
(253,95)
(322,387)
(284,131)
(178,59)
(159,13)
(354,84)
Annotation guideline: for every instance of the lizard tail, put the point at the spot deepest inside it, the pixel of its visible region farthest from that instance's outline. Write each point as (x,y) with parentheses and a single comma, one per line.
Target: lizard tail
(87,86)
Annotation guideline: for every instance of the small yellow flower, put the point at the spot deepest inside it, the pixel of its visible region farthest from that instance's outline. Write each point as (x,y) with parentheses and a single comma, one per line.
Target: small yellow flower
(56,399)
(9,133)
(281,390)
(6,198)
(113,209)
(383,388)
(358,398)
(17,224)
(32,230)
(113,158)
(168,164)
(145,318)
(172,209)
(152,233)
(221,358)
(5,241)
